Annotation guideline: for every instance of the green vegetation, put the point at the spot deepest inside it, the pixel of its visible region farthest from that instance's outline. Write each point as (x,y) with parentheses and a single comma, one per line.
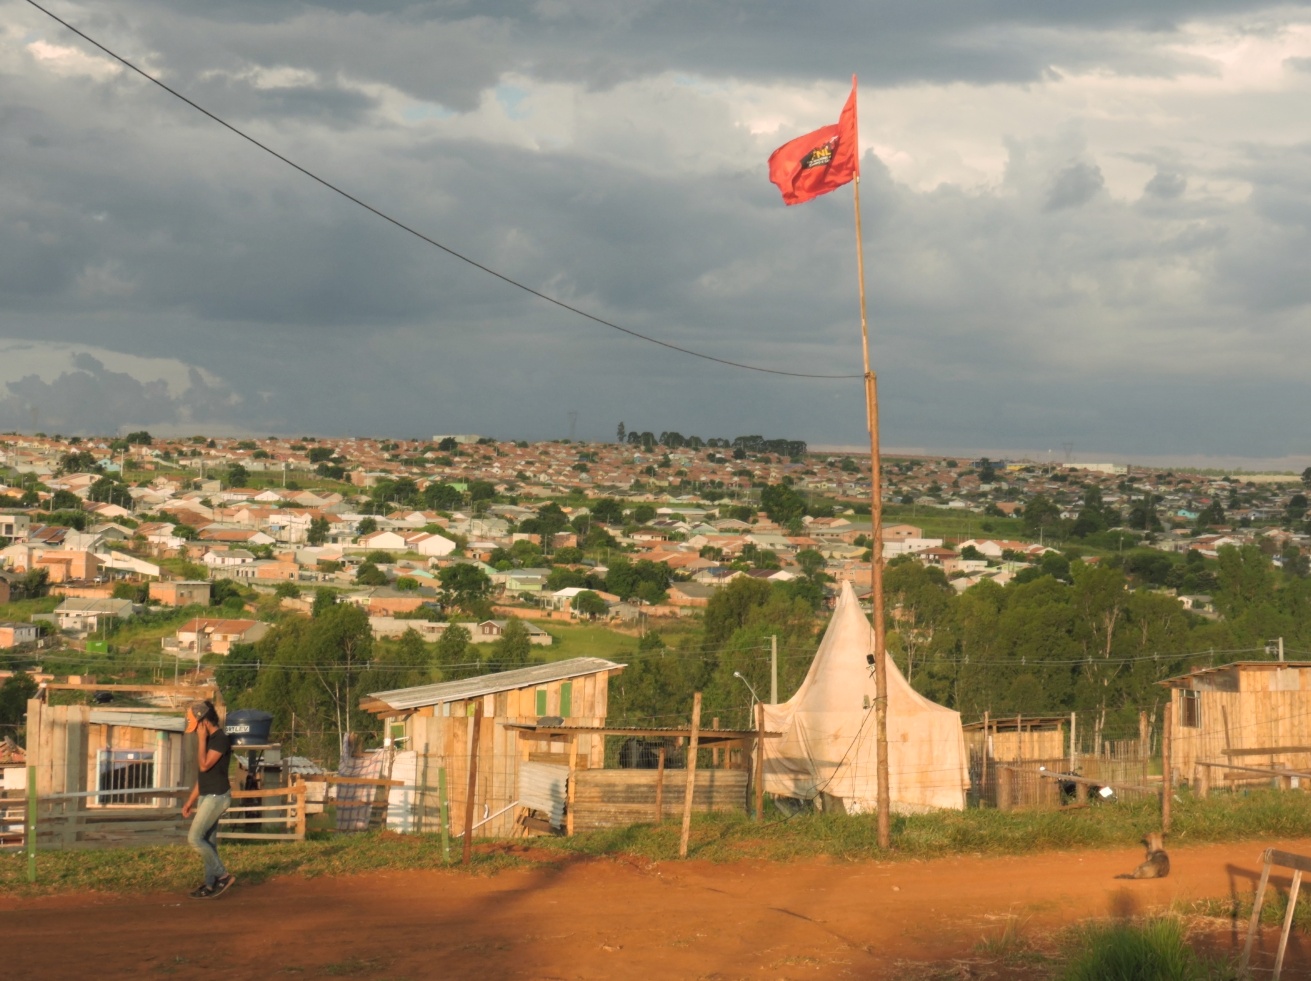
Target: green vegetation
(947,523)
(717,837)
(1153,950)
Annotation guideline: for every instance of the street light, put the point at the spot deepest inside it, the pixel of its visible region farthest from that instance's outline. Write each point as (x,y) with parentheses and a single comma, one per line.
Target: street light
(739,676)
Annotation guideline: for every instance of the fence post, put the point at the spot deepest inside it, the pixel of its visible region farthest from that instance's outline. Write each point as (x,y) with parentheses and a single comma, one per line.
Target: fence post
(443,815)
(477,724)
(760,762)
(660,785)
(691,775)
(1167,764)
(30,830)
(300,794)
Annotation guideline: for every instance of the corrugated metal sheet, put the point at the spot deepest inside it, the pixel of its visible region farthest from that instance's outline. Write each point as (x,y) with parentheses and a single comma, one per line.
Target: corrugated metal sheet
(139,720)
(489,684)
(542,786)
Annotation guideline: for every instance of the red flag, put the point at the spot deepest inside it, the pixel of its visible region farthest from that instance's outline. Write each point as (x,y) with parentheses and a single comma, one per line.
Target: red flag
(818,162)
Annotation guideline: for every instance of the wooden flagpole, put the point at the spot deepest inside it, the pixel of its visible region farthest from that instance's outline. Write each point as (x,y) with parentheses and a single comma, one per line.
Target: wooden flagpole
(876,554)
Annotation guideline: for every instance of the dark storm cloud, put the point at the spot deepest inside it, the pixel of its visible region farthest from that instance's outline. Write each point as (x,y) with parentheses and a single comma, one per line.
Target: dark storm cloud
(1074,185)
(88,396)
(1166,186)
(1043,307)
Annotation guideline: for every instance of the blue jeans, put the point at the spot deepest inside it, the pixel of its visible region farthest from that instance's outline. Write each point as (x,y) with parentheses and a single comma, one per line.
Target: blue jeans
(203,836)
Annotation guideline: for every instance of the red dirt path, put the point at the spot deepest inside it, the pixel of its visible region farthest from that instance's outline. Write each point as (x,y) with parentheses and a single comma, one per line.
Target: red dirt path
(594,919)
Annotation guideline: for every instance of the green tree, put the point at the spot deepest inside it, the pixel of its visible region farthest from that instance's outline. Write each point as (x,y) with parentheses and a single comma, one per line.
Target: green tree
(919,605)
(514,648)
(238,475)
(367,526)
(729,609)
(782,503)
(607,510)
(590,605)
(107,490)
(79,461)
(1041,514)
(812,563)
(14,695)
(318,530)
(464,585)
(324,600)
(454,650)
(369,574)
(286,589)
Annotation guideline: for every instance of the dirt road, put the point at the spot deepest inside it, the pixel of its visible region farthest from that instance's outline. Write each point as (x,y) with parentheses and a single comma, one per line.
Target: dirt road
(617,919)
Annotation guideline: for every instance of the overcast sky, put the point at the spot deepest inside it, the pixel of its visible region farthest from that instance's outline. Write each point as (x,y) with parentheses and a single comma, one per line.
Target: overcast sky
(1084,226)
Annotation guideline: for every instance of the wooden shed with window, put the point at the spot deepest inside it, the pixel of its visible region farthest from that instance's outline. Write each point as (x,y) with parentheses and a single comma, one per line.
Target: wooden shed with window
(435,721)
(1239,721)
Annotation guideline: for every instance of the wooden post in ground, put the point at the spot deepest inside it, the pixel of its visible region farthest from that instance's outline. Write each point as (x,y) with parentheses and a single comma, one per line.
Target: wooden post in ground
(660,785)
(1005,780)
(983,770)
(476,724)
(29,833)
(760,762)
(299,793)
(714,753)
(571,787)
(443,814)
(691,775)
(1167,764)
(1074,742)
(1288,922)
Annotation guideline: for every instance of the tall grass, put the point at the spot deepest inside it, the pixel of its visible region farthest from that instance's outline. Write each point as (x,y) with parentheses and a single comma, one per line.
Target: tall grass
(1264,815)
(1154,950)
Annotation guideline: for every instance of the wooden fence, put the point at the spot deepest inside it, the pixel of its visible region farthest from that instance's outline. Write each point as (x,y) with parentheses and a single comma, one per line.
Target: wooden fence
(617,798)
(64,821)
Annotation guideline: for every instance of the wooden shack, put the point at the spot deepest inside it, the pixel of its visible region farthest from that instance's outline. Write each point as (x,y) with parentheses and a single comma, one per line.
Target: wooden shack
(436,722)
(1241,722)
(1020,737)
(89,749)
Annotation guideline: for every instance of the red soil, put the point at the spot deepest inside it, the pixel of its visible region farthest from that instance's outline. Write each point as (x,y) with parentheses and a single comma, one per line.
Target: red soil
(625,919)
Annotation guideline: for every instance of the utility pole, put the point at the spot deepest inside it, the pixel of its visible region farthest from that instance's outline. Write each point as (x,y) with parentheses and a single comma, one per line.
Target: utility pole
(773,669)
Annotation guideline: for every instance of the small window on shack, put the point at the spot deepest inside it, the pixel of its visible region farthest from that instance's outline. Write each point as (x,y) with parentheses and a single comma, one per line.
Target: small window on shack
(125,770)
(541,702)
(1190,710)
(566,699)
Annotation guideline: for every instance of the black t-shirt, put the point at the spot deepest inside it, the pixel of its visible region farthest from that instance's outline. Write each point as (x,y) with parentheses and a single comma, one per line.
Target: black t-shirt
(215,779)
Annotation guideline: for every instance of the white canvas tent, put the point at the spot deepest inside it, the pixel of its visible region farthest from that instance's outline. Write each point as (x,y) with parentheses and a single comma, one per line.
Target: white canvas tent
(828,747)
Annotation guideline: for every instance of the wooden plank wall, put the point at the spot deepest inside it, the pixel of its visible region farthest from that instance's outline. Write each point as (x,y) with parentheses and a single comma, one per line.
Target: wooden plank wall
(440,735)
(1243,720)
(1040,744)
(617,798)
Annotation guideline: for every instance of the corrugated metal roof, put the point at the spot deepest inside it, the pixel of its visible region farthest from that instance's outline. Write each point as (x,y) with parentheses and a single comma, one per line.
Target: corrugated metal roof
(139,720)
(489,684)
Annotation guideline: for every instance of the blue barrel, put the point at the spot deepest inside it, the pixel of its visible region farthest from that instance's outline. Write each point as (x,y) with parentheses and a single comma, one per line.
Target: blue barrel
(248,727)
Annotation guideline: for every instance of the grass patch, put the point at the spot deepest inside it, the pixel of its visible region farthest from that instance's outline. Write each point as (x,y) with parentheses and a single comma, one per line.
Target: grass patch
(1273,908)
(22,610)
(717,837)
(1153,950)
(950,523)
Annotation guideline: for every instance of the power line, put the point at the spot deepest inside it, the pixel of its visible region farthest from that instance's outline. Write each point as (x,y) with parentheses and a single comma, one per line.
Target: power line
(418,234)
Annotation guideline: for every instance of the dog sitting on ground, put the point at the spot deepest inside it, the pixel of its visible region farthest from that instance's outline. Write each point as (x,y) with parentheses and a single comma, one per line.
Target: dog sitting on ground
(1157,865)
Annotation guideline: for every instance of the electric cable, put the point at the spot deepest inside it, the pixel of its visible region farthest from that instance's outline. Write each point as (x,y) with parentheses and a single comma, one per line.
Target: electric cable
(420,235)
